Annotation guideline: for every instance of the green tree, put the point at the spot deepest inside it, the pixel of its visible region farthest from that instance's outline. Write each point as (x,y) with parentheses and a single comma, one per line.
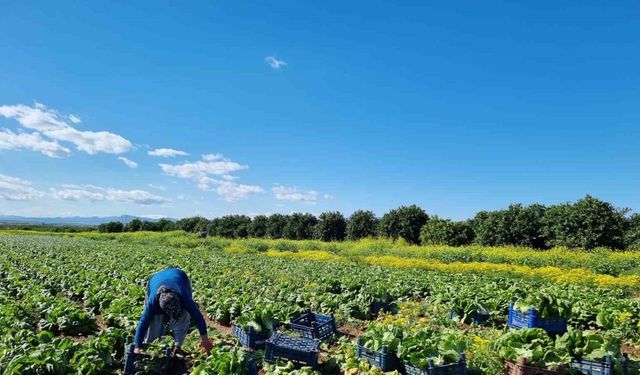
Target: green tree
(331,226)
(151,226)
(632,232)
(134,225)
(258,228)
(588,223)
(188,224)
(300,226)
(165,225)
(404,222)
(439,231)
(276,225)
(232,226)
(517,225)
(111,227)
(361,224)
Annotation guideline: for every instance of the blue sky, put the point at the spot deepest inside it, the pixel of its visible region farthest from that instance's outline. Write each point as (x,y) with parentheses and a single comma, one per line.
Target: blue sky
(314,106)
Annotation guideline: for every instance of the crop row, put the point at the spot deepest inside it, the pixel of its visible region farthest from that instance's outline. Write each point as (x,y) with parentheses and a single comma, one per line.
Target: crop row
(107,278)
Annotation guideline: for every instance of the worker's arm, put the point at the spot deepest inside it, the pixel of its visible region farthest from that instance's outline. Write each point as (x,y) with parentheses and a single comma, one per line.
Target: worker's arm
(195,313)
(145,320)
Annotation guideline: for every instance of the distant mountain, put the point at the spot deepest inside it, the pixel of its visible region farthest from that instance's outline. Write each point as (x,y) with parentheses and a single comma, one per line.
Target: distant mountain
(69,220)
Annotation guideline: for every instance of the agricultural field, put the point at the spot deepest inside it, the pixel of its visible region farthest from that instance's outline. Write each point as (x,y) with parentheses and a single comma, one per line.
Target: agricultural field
(68,301)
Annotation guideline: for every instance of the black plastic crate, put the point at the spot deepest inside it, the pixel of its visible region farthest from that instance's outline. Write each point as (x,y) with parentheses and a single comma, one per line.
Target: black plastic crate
(299,350)
(459,368)
(518,319)
(385,360)
(314,326)
(249,338)
(589,367)
(134,362)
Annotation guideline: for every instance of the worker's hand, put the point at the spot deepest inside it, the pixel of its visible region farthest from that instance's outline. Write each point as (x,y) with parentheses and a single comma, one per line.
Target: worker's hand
(205,343)
(137,350)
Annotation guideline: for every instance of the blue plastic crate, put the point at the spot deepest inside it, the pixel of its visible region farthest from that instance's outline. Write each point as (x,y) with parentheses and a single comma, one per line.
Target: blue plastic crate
(459,368)
(474,317)
(518,319)
(385,360)
(300,350)
(588,367)
(249,338)
(314,326)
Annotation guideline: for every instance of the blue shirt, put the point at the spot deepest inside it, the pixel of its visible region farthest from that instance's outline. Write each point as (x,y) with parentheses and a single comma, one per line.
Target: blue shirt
(177,281)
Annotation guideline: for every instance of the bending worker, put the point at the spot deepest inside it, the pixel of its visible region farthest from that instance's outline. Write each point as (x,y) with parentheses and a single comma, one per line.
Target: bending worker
(169,304)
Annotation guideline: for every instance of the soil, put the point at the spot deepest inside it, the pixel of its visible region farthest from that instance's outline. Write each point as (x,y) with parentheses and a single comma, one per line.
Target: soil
(633,351)
(225,330)
(351,331)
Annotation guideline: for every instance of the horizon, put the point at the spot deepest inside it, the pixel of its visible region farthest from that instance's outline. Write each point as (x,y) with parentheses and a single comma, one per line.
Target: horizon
(237,108)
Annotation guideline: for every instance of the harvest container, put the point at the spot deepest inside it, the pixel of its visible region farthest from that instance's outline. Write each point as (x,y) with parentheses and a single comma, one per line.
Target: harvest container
(249,337)
(314,326)
(134,362)
(300,350)
(474,317)
(518,319)
(459,368)
(521,368)
(385,360)
(588,367)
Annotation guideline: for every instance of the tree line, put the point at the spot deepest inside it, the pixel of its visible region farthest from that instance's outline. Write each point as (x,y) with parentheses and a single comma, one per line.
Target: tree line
(588,223)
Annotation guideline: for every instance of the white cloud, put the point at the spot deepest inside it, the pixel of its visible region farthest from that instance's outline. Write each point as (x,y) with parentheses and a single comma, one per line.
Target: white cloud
(57,128)
(158,187)
(127,162)
(291,193)
(167,153)
(97,193)
(16,189)
(232,192)
(74,118)
(274,62)
(328,197)
(15,141)
(77,194)
(213,173)
(134,196)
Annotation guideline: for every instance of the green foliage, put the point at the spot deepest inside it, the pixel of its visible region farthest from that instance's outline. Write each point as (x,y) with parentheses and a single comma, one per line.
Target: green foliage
(361,224)
(517,225)
(276,226)
(258,228)
(230,226)
(588,224)
(331,226)
(195,224)
(632,232)
(300,226)
(111,227)
(403,222)
(134,225)
(446,232)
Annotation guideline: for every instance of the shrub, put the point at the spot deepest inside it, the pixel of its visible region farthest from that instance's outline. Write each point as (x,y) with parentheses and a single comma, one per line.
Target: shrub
(446,232)
(361,224)
(517,225)
(275,226)
(632,232)
(300,226)
(331,226)
(404,222)
(258,226)
(111,227)
(589,223)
